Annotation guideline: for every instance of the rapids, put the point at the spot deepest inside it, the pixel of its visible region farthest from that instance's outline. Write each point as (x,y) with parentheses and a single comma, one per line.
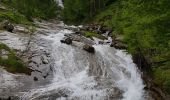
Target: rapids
(109,74)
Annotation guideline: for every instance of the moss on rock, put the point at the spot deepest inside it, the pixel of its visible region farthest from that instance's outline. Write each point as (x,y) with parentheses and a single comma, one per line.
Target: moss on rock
(13,63)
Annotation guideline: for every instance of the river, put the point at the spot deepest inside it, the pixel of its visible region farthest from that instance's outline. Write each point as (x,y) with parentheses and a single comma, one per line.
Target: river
(108,74)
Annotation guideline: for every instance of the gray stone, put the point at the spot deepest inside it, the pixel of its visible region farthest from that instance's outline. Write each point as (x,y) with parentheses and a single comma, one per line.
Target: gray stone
(89,48)
(35,79)
(4,54)
(8,26)
(44,60)
(67,40)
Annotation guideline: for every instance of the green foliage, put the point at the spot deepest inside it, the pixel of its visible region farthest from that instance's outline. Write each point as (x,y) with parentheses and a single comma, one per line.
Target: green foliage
(78,11)
(14,17)
(45,9)
(162,78)
(93,34)
(144,24)
(13,63)
(109,16)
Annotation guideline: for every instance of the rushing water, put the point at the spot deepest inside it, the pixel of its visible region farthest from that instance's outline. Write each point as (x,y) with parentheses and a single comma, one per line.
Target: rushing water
(60,2)
(109,74)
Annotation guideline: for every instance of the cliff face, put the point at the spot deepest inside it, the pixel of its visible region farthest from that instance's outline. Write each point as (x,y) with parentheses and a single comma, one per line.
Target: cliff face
(147,75)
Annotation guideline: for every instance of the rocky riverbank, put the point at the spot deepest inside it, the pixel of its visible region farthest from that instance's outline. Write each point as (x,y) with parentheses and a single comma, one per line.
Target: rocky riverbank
(30,48)
(145,67)
(35,51)
(117,42)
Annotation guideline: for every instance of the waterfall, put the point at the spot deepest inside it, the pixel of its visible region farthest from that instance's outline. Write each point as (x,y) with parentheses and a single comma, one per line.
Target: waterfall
(60,2)
(109,74)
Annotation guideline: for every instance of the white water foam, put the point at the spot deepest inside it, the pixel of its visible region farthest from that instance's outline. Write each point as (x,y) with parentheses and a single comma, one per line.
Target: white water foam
(108,68)
(129,79)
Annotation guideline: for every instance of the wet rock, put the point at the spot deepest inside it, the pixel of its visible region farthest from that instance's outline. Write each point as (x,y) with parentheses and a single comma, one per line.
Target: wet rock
(144,65)
(44,60)
(8,26)
(89,48)
(115,93)
(78,32)
(107,30)
(55,94)
(45,76)
(4,54)
(43,32)
(62,41)
(67,40)
(4,57)
(20,29)
(78,38)
(35,79)
(101,42)
(47,53)
(91,27)
(118,45)
(67,35)
(2,7)
(10,98)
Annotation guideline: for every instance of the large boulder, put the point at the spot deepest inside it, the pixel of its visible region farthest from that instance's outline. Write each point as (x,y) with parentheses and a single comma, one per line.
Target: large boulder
(8,26)
(118,45)
(67,40)
(89,48)
(105,30)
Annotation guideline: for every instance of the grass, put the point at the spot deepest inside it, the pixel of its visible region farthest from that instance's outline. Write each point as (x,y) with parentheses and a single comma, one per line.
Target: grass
(94,34)
(14,17)
(162,78)
(13,64)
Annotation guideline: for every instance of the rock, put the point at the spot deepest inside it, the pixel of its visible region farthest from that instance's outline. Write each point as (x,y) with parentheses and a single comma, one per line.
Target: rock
(35,79)
(118,44)
(4,57)
(4,54)
(8,26)
(44,60)
(106,30)
(62,41)
(10,98)
(68,40)
(101,42)
(45,76)
(67,35)
(78,32)
(2,7)
(89,48)
(112,45)
(21,29)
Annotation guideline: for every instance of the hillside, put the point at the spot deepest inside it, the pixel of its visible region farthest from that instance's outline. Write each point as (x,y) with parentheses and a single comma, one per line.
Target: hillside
(144,24)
